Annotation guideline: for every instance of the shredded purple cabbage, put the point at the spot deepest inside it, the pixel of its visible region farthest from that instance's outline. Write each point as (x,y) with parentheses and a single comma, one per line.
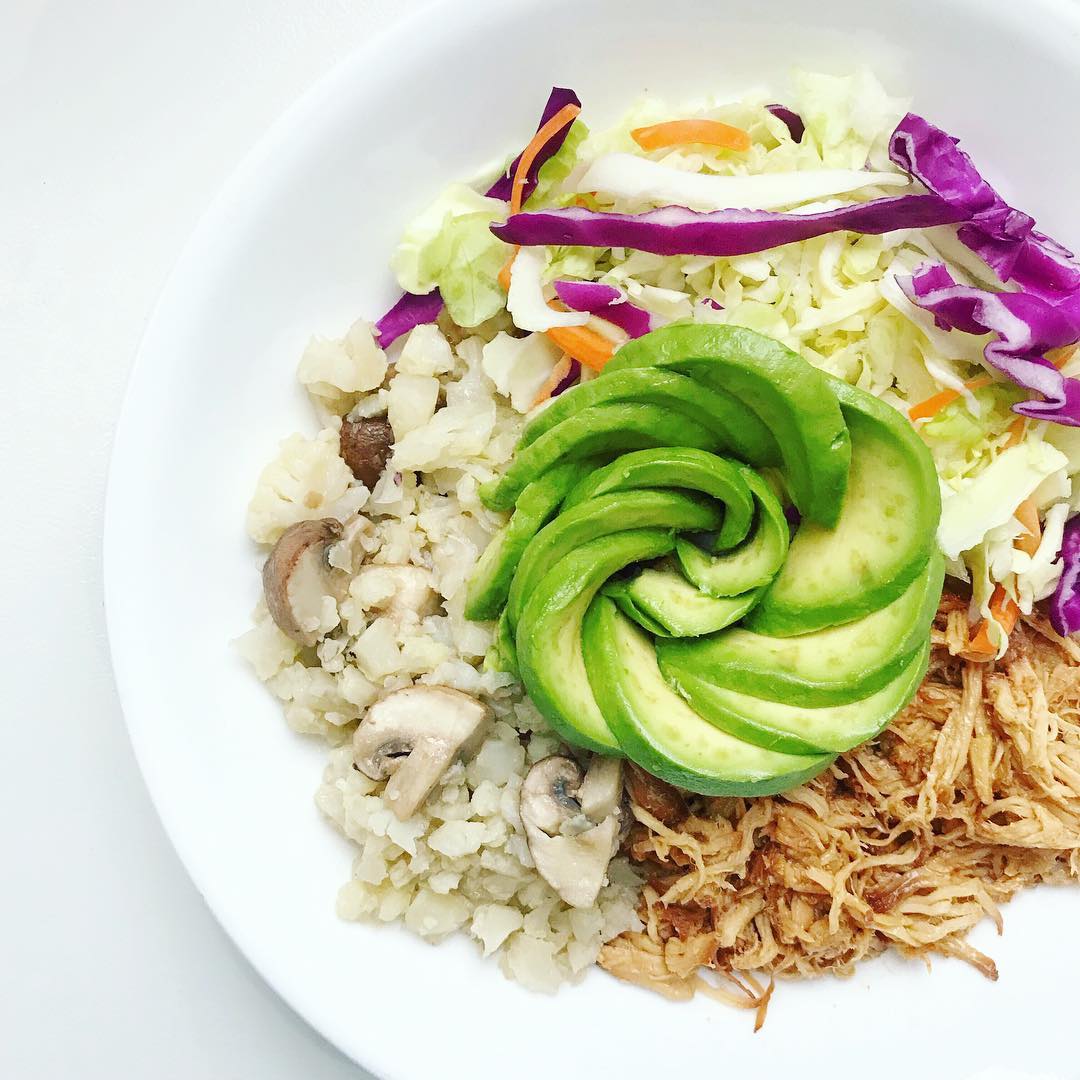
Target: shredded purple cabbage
(1065,603)
(568,380)
(607,302)
(557,99)
(1027,327)
(675,230)
(1004,237)
(793,120)
(410,311)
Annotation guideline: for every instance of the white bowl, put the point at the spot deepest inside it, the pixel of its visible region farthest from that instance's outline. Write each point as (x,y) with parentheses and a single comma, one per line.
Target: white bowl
(298,243)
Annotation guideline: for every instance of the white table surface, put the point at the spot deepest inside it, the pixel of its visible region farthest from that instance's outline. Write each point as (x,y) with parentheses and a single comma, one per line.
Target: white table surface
(119,121)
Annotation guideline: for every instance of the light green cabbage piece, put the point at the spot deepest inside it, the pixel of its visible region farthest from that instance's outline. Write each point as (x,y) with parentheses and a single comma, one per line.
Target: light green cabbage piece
(450,246)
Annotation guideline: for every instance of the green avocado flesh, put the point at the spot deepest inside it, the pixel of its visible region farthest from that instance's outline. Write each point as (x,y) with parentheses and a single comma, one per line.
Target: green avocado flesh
(489,585)
(678,467)
(801,729)
(603,516)
(549,653)
(715,409)
(659,731)
(883,537)
(790,397)
(668,601)
(829,667)
(650,593)
(746,567)
(601,429)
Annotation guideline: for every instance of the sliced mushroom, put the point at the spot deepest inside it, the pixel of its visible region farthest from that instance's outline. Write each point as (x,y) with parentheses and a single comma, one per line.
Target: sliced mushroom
(400,589)
(365,446)
(297,576)
(412,736)
(571,859)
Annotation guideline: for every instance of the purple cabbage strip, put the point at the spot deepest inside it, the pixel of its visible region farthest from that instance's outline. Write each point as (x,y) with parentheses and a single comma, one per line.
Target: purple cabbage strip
(1002,236)
(410,311)
(793,120)
(606,302)
(557,99)
(675,230)
(568,379)
(1065,603)
(1026,327)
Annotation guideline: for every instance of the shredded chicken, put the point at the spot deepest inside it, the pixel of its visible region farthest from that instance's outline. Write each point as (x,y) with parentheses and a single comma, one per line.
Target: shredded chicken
(971,794)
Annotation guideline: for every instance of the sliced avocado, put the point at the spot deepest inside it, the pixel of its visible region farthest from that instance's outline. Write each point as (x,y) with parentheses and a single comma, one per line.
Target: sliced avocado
(677,467)
(680,609)
(602,429)
(743,434)
(801,729)
(490,581)
(619,592)
(884,535)
(660,732)
(791,397)
(752,564)
(829,667)
(549,634)
(604,516)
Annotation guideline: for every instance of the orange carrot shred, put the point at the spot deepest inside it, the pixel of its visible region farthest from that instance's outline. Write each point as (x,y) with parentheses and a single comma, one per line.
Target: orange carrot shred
(1005,614)
(547,132)
(558,373)
(1060,357)
(584,345)
(1028,516)
(504,273)
(924,410)
(679,132)
(1016,432)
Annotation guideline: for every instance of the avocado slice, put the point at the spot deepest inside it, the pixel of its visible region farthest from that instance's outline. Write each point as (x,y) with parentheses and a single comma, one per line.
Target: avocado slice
(604,516)
(800,729)
(490,582)
(659,731)
(736,430)
(678,467)
(667,600)
(884,535)
(749,566)
(791,397)
(601,429)
(829,667)
(549,634)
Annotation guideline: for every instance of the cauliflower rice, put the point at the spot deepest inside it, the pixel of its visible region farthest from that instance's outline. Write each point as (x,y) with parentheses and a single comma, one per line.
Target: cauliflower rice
(461,862)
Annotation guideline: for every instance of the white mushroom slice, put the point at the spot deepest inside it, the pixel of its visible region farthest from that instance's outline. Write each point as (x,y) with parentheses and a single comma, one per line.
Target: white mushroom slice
(602,789)
(412,736)
(396,590)
(574,865)
(297,578)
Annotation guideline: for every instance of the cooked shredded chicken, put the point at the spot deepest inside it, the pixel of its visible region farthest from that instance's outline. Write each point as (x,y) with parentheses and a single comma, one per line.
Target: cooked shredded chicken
(971,794)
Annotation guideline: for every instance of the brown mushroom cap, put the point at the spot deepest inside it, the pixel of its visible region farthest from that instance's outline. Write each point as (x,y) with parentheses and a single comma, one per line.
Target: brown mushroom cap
(365,447)
(296,576)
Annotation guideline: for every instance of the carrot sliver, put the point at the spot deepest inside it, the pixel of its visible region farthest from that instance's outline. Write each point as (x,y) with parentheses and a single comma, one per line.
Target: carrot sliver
(1016,432)
(504,273)
(558,373)
(924,410)
(1060,357)
(566,115)
(680,132)
(1028,516)
(583,345)
(1005,614)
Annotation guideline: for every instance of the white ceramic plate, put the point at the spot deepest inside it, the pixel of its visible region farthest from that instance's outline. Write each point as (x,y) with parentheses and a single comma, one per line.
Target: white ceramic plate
(298,243)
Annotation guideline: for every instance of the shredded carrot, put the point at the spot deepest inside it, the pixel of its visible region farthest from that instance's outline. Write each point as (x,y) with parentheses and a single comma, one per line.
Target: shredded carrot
(679,132)
(558,373)
(504,273)
(1005,614)
(1028,516)
(1016,432)
(1060,357)
(584,345)
(547,132)
(936,402)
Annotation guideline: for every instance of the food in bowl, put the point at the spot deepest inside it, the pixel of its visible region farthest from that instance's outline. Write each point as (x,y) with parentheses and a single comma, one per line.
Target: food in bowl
(684,571)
